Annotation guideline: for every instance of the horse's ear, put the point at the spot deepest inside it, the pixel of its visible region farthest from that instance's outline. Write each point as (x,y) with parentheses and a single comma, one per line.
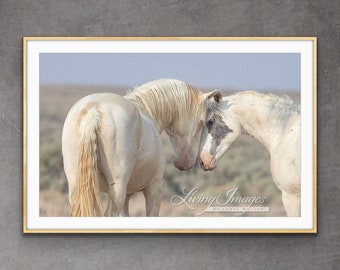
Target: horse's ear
(216,95)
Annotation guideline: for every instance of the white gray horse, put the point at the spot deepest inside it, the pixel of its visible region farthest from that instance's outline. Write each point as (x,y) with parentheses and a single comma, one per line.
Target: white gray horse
(273,121)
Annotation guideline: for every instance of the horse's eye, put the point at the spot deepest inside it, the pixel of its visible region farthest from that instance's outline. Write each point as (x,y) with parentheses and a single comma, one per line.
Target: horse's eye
(210,122)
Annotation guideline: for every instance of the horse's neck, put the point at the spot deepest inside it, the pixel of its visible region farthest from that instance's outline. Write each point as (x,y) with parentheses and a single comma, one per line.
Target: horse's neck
(155,119)
(161,118)
(256,119)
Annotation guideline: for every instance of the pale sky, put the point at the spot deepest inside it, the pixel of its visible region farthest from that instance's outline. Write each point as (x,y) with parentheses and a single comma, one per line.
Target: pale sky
(237,71)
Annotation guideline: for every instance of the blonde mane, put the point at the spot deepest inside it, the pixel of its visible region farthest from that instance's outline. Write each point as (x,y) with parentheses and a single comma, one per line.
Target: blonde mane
(168,101)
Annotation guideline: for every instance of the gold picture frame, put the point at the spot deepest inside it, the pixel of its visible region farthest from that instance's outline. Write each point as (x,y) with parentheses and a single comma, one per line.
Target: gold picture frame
(30,189)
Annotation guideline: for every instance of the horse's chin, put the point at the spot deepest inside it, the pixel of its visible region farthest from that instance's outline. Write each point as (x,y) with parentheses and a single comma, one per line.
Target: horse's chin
(207,168)
(183,168)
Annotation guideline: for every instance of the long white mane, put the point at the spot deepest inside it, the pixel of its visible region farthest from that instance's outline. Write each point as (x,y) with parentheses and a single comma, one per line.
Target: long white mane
(167,100)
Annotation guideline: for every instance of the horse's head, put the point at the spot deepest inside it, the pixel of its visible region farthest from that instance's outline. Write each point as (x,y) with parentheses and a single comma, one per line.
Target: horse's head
(186,135)
(221,130)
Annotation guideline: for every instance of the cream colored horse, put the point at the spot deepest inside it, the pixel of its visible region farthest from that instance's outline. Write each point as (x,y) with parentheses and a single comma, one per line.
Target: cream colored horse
(112,144)
(273,121)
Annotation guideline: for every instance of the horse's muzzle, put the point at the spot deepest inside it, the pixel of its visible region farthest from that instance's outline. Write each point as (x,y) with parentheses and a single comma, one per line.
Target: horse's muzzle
(207,161)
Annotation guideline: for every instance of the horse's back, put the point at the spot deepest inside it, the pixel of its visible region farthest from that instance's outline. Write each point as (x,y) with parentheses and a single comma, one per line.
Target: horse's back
(104,102)
(110,107)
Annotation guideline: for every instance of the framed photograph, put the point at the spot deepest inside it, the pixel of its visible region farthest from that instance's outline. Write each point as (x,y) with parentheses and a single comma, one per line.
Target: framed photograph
(169,135)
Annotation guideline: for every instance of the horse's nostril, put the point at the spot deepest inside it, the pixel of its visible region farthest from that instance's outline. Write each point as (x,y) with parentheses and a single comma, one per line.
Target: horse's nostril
(201,163)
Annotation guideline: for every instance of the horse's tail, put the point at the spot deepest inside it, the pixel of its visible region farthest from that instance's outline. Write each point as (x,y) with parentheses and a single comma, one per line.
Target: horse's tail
(87,200)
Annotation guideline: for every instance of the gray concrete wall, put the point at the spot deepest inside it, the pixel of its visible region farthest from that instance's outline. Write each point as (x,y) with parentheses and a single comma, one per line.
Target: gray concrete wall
(20,18)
